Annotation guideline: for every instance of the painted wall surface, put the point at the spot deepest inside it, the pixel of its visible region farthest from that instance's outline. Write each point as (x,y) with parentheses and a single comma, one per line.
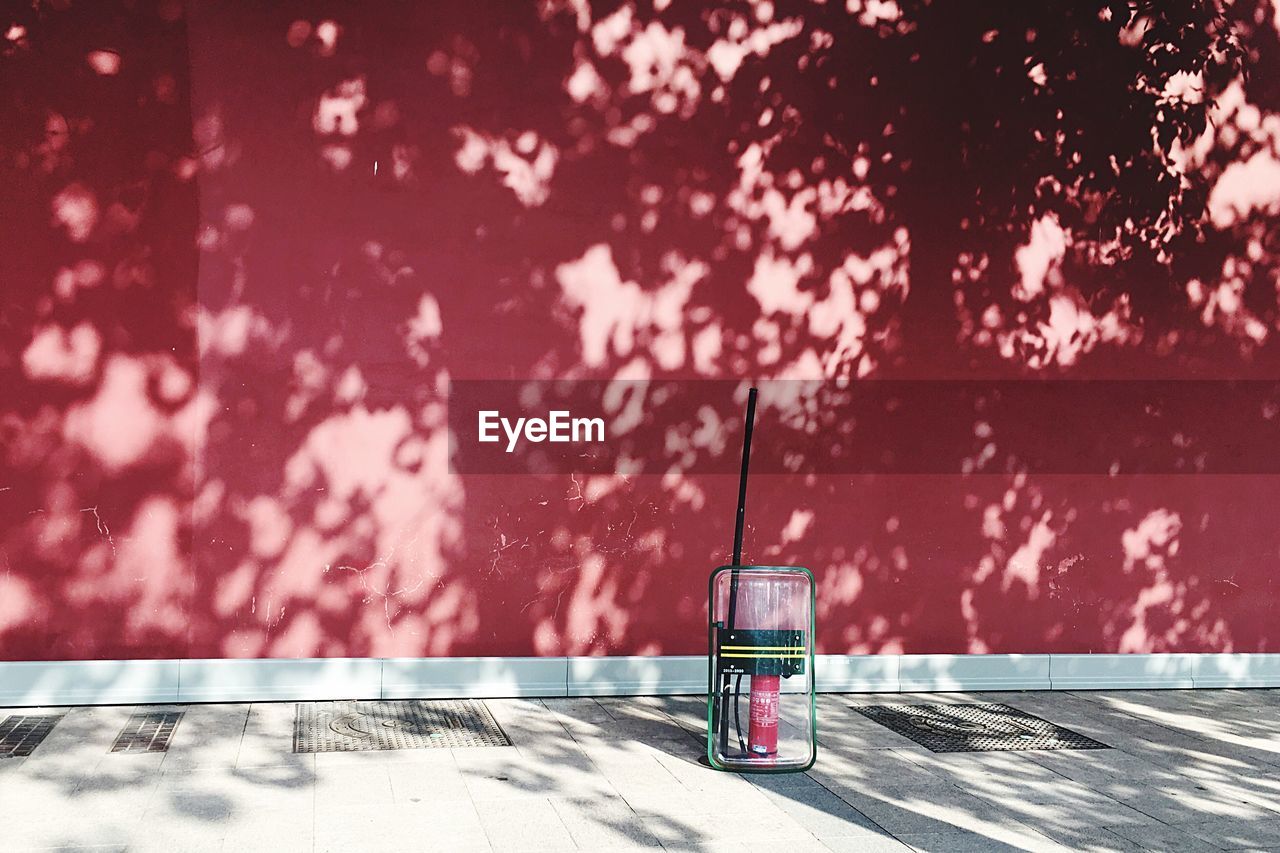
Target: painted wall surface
(249,248)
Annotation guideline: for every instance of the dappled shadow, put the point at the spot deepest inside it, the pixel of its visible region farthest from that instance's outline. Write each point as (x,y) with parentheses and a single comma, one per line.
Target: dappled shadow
(224,763)
(98,362)
(1164,785)
(253,248)
(624,771)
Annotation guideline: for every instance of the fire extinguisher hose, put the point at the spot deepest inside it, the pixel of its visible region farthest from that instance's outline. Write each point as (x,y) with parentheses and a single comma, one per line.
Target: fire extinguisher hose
(737,719)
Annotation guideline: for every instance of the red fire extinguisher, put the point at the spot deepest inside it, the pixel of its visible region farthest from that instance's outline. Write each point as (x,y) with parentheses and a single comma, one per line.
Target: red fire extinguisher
(763,737)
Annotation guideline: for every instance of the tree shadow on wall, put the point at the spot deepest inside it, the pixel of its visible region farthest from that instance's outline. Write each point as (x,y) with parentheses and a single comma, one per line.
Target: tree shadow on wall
(391,198)
(98,357)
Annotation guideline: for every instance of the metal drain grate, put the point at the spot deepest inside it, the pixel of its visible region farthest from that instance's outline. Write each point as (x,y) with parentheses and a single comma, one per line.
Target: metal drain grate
(20,734)
(408,724)
(975,728)
(147,732)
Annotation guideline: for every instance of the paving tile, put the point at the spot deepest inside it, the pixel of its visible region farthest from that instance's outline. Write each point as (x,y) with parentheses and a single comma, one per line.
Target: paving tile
(580,717)
(640,785)
(1197,716)
(268,738)
(1169,795)
(215,795)
(933,813)
(33,795)
(691,830)
(870,767)
(1179,800)
(413,782)
(61,822)
(178,839)
(990,840)
(452,826)
(1260,792)
(72,751)
(525,719)
(604,822)
(865,844)
(1230,834)
(135,776)
(277,830)
(208,736)
(695,776)
(625,759)
(1060,801)
(342,787)
(490,778)
(821,812)
(10,765)
(532,824)
(1093,839)
(793,845)
(384,757)
(906,788)
(690,712)
(782,781)
(675,800)
(83,848)
(205,810)
(1162,837)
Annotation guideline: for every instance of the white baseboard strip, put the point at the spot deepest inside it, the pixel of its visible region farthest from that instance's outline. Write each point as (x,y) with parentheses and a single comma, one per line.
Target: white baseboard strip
(857,673)
(934,673)
(1239,670)
(1121,672)
(473,678)
(279,680)
(88,682)
(25,684)
(636,676)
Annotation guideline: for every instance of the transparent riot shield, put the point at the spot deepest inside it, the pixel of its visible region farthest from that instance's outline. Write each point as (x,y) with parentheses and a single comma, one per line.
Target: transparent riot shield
(761,712)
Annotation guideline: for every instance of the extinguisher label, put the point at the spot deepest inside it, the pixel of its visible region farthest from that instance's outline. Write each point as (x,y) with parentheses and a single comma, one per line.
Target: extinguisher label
(764,708)
(764,715)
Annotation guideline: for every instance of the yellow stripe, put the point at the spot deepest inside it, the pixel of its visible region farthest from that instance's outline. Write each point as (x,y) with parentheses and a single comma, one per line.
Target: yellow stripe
(763,648)
(763,656)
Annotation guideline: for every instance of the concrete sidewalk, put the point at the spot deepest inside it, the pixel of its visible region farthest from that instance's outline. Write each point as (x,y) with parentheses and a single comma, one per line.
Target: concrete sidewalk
(1190,770)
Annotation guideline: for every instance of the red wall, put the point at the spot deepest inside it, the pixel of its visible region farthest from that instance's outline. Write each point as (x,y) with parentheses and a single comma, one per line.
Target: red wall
(247,251)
